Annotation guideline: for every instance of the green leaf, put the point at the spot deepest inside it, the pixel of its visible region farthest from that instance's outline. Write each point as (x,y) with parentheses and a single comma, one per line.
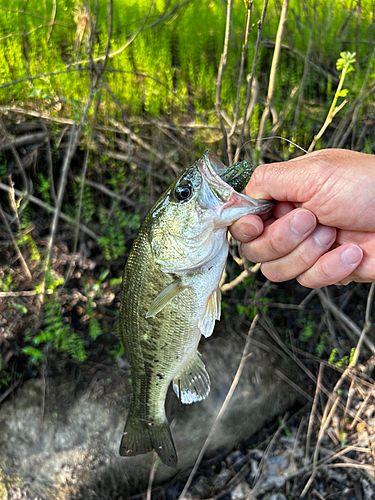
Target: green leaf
(343,93)
(33,352)
(20,308)
(345,61)
(332,356)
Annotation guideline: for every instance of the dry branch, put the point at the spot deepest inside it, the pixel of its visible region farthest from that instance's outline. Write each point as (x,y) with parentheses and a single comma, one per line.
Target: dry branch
(273,72)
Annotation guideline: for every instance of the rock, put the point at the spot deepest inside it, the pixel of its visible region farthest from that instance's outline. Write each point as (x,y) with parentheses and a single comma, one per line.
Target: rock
(275,496)
(241,492)
(60,436)
(278,468)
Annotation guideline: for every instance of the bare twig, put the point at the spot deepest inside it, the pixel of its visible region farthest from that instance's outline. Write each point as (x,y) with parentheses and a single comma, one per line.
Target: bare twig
(219,80)
(151,477)
(325,423)
(21,258)
(225,287)
(365,330)
(16,156)
(313,412)
(53,20)
(344,319)
(248,7)
(50,164)
(273,71)
(76,133)
(9,390)
(363,405)
(22,33)
(49,209)
(250,79)
(20,293)
(37,137)
(144,145)
(331,406)
(260,471)
(108,192)
(295,386)
(36,114)
(224,406)
(306,67)
(367,324)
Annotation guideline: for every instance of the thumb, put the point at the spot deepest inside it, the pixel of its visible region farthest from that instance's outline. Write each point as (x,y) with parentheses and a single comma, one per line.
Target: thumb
(295,180)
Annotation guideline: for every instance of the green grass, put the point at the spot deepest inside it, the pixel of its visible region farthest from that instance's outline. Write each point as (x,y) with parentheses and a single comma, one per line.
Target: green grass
(170,67)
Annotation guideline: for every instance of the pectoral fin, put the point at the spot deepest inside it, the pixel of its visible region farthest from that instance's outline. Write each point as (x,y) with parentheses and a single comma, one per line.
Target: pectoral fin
(193,383)
(211,314)
(164,297)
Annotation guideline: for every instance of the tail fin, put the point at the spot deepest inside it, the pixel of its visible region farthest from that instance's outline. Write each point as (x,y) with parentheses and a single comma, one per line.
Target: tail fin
(140,437)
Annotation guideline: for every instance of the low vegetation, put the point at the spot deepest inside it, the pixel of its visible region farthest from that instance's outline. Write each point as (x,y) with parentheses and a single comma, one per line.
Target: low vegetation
(102,103)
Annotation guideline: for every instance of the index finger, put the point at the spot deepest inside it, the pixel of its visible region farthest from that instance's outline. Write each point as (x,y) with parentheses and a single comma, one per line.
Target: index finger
(294,181)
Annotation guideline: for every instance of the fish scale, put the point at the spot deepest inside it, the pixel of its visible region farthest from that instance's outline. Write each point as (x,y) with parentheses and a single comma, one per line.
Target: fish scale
(170,298)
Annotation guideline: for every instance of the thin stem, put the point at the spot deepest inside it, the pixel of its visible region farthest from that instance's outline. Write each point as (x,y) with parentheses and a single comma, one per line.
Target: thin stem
(273,71)
(24,265)
(250,79)
(219,79)
(224,406)
(313,411)
(249,7)
(334,109)
(303,81)
(52,21)
(49,209)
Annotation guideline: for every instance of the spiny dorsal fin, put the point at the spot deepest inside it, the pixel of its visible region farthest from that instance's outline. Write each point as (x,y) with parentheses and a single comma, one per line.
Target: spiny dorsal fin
(212,313)
(193,383)
(164,297)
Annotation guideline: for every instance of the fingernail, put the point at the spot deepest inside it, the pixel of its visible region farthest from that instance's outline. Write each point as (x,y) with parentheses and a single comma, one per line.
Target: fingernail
(352,255)
(324,235)
(302,222)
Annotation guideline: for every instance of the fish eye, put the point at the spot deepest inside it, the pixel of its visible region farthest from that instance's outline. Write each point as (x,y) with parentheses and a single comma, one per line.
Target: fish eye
(183,191)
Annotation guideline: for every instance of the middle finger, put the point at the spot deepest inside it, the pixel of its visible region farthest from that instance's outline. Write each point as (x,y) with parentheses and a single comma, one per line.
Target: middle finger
(281,237)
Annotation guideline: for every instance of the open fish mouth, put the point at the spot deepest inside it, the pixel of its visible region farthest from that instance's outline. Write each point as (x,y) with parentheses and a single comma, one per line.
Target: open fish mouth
(212,170)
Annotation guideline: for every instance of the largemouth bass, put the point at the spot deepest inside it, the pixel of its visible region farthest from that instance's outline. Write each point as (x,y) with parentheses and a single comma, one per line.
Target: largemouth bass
(170,297)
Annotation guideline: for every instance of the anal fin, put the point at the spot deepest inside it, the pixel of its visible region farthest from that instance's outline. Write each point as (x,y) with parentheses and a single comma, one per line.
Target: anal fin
(193,383)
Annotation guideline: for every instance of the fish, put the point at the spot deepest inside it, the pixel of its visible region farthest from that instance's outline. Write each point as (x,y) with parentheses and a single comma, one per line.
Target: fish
(171,298)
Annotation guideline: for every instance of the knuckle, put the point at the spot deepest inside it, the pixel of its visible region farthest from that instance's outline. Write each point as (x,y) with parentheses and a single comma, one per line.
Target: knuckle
(248,252)
(304,260)
(306,282)
(259,176)
(324,271)
(317,276)
(276,242)
(272,273)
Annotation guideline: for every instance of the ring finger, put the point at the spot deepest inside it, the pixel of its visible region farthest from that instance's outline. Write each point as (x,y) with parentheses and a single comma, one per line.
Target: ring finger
(301,258)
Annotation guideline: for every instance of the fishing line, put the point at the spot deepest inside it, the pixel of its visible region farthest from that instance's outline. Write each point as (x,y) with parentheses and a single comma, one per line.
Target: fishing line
(275,137)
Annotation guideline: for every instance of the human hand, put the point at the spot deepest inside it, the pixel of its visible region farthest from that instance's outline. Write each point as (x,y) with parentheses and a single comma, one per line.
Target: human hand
(322,228)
